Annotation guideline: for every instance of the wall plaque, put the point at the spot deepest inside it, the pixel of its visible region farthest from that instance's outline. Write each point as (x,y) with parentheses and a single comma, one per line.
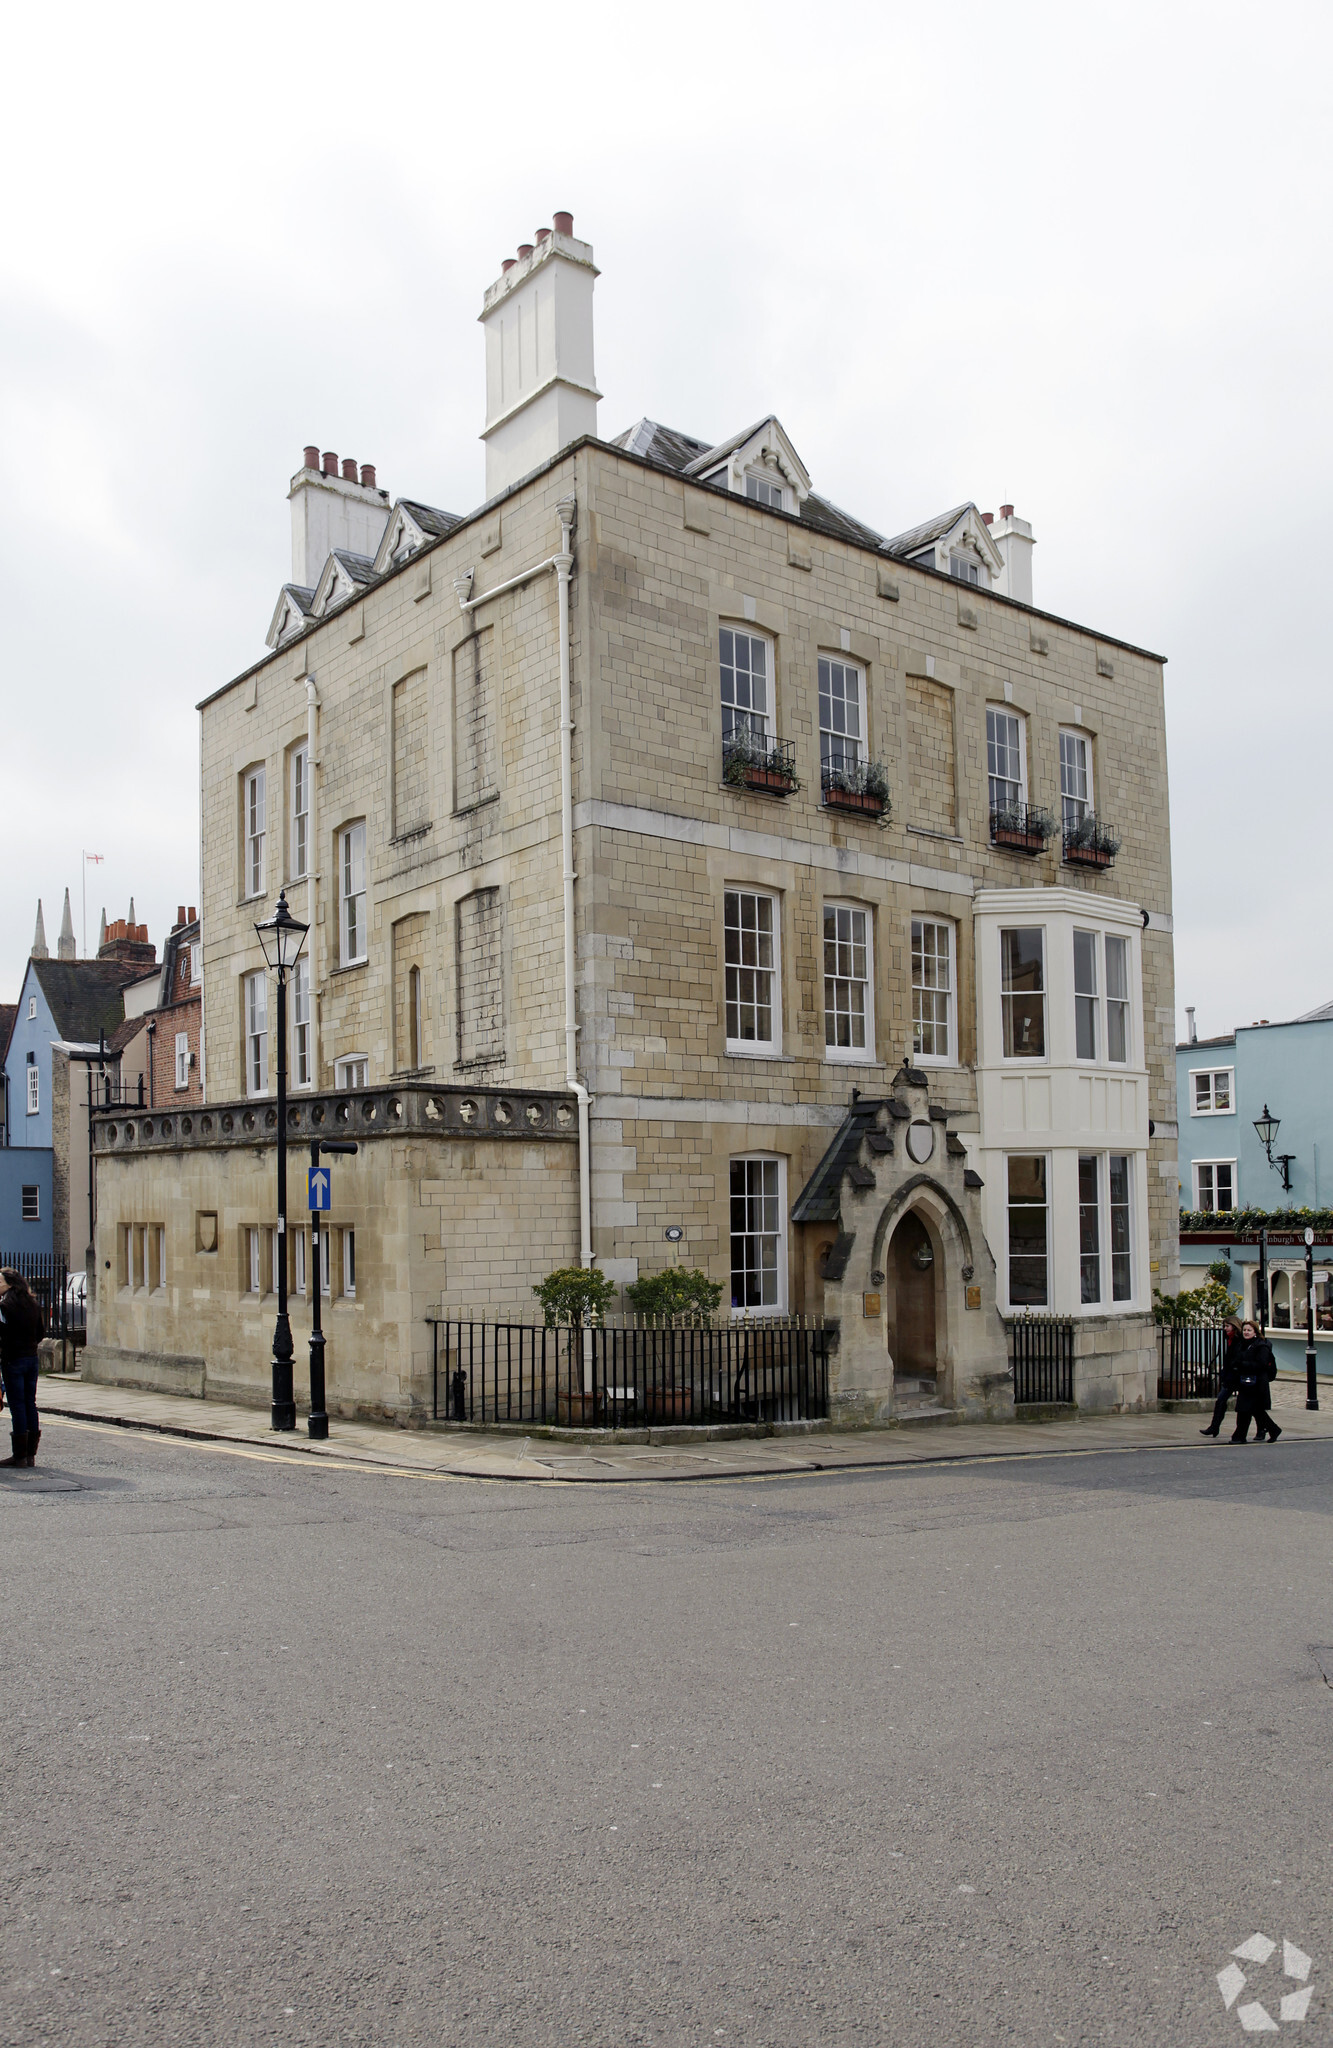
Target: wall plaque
(870,1304)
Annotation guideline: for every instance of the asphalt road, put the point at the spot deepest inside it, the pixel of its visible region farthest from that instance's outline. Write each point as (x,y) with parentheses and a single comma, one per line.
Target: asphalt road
(1009,1752)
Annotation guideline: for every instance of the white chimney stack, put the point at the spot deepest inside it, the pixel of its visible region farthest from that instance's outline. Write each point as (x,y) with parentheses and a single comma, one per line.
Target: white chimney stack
(333,508)
(541,389)
(1013,537)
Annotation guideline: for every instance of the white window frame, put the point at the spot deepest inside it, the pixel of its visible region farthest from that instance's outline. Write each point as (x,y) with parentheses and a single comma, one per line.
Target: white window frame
(325,1275)
(32,1006)
(754,1048)
(1041,1306)
(762,488)
(299,1242)
(852,1055)
(196,963)
(1197,1074)
(1101,1216)
(253,1264)
(965,568)
(846,749)
(254,826)
(1028,1058)
(34,1090)
(738,717)
(25,1189)
(1006,711)
(352,902)
(351,1071)
(777,1307)
(948,1058)
(349,1264)
(255,1032)
(1119,1301)
(1123,1004)
(182,1059)
(1075,805)
(1213,1164)
(302,1071)
(1292,1274)
(300,795)
(1092,997)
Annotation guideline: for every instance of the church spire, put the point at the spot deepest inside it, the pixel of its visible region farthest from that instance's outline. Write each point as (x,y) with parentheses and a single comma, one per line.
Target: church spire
(39,947)
(65,947)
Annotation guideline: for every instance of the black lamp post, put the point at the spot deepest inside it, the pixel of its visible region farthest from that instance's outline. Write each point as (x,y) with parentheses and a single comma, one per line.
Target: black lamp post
(282,939)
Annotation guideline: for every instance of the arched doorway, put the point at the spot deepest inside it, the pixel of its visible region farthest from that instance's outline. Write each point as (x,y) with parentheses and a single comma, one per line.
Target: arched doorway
(911,1322)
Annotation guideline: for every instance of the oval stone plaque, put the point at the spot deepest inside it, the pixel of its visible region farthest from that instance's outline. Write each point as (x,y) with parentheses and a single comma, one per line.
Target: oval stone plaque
(920,1142)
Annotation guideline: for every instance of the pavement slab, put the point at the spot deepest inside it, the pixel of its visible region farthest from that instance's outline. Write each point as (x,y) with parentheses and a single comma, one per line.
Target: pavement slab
(507,1455)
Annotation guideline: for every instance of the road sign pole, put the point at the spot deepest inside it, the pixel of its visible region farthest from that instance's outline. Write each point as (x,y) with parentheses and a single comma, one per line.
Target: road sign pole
(319,1420)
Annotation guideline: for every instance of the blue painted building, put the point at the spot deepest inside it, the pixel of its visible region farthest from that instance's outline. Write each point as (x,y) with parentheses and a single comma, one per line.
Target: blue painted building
(1223,1086)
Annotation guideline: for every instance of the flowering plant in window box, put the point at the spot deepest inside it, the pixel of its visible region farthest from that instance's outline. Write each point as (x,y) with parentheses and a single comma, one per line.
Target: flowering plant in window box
(857,786)
(751,760)
(1089,843)
(1023,827)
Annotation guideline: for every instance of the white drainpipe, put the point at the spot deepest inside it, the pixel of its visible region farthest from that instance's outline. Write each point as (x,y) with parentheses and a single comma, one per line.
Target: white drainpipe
(563,564)
(312,865)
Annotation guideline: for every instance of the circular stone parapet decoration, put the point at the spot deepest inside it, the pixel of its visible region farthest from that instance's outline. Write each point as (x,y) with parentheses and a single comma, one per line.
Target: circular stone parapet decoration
(920,1141)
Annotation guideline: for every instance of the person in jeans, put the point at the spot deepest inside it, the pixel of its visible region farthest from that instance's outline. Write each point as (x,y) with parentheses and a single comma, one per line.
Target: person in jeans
(1228,1380)
(1256,1369)
(21,1330)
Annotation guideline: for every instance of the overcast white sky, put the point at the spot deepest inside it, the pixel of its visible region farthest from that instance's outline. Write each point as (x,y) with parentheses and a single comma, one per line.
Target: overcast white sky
(1072,257)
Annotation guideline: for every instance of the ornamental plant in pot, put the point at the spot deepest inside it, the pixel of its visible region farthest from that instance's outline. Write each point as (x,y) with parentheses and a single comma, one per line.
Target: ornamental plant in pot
(857,786)
(1024,827)
(1089,843)
(575,1298)
(675,1300)
(750,760)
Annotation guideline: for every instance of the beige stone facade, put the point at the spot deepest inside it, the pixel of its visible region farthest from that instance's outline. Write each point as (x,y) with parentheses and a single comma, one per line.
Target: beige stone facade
(438,730)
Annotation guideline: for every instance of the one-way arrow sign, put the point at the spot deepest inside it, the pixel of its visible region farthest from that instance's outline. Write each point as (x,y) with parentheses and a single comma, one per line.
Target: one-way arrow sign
(321,1186)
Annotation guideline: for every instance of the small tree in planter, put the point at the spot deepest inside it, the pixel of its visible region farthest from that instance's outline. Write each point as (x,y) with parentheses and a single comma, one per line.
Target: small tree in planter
(676,1292)
(750,760)
(575,1296)
(1089,843)
(857,786)
(1025,826)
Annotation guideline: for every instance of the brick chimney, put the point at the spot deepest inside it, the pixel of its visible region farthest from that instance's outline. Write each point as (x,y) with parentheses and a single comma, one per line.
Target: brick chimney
(541,388)
(128,944)
(331,511)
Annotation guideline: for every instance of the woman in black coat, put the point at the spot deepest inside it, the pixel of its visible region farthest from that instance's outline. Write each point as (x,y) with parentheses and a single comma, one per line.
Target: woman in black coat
(22,1328)
(1228,1380)
(1256,1370)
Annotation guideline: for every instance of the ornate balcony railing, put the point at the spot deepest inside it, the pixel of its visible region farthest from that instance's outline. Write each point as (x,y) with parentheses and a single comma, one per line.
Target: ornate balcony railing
(1022,828)
(860,786)
(1089,843)
(753,760)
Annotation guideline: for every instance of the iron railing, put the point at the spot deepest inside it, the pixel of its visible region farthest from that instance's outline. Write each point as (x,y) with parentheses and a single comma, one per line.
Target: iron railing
(48,1277)
(1089,842)
(752,760)
(629,1374)
(1023,828)
(1041,1358)
(1189,1361)
(109,1091)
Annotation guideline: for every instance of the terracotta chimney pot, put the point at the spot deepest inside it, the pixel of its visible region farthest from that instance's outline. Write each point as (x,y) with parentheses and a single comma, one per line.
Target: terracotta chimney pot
(349,469)
(509,263)
(988,518)
(310,457)
(368,476)
(525,249)
(543,234)
(193,914)
(1006,511)
(564,223)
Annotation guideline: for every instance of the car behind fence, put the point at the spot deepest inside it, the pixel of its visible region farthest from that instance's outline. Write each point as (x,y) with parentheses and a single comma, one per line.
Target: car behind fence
(627,1374)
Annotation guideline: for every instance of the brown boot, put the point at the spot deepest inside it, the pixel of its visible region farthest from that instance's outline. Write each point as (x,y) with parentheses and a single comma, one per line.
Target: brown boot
(19,1454)
(30,1443)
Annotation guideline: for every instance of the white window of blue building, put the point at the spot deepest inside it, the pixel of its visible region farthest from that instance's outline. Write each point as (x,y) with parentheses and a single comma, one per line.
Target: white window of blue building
(1214,1184)
(1212,1091)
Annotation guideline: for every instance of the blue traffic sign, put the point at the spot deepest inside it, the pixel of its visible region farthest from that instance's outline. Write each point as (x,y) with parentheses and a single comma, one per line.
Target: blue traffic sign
(321,1186)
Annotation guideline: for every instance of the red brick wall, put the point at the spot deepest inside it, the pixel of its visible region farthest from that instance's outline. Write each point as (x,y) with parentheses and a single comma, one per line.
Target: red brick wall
(176,1017)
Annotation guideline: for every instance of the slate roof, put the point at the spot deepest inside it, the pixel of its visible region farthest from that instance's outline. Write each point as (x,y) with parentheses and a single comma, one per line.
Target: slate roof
(1322,1015)
(8,1012)
(430,519)
(302,598)
(361,568)
(125,1033)
(820,1200)
(660,444)
(710,457)
(918,537)
(84,996)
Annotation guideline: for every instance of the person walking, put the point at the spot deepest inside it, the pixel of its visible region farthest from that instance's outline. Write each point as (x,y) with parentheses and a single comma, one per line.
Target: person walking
(1227,1379)
(1256,1369)
(22,1327)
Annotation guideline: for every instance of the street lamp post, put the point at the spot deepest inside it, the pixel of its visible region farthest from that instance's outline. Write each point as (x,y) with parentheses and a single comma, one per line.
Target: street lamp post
(1311,1382)
(282,938)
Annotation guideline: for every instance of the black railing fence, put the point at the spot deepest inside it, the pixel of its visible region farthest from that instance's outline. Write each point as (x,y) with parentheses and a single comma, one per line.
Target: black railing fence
(48,1278)
(1189,1361)
(1041,1358)
(630,1374)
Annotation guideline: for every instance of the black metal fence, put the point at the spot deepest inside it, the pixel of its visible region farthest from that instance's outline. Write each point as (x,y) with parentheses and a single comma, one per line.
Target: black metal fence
(1189,1361)
(628,1375)
(48,1277)
(1041,1358)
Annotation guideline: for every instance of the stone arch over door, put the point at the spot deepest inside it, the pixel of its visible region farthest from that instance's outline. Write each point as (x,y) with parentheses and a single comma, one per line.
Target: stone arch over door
(922,1309)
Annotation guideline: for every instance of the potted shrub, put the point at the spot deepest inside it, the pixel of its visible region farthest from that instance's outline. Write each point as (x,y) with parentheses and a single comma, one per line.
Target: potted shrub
(1023,827)
(857,786)
(575,1298)
(677,1298)
(750,760)
(1089,843)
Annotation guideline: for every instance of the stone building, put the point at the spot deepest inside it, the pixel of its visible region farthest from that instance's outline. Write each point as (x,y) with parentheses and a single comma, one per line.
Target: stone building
(679,854)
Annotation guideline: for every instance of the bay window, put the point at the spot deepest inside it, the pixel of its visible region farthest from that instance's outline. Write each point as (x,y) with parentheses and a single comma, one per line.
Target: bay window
(1022,992)
(1029,1232)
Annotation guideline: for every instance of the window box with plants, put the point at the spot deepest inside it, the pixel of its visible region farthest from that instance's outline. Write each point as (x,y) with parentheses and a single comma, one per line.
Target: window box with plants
(1089,843)
(860,786)
(1023,828)
(751,760)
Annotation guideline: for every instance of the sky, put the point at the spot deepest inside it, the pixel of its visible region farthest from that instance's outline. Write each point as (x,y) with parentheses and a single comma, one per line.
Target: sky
(1076,259)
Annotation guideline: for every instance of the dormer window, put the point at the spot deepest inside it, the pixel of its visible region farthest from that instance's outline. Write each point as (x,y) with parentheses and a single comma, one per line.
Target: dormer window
(763,491)
(964,569)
